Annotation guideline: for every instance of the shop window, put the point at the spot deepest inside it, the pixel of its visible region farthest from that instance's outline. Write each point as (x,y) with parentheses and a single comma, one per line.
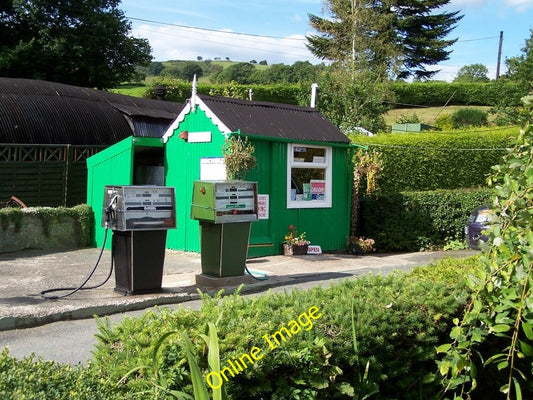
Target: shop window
(308,176)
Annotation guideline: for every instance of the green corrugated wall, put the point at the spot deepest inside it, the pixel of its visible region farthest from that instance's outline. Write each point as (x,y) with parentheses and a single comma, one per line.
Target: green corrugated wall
(183,167)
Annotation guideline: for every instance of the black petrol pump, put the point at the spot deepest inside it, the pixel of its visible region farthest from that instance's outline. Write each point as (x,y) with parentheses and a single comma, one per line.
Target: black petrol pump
(225,210)
(139,217)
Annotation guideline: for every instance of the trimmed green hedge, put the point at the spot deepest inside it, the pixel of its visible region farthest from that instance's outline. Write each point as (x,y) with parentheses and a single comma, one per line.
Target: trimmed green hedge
(431,161)
(439,93)
(180,91)
(411,221)
(399,319)
(32,378)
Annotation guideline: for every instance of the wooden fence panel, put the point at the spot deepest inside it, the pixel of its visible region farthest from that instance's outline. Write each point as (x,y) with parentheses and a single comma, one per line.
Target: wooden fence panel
(47,176)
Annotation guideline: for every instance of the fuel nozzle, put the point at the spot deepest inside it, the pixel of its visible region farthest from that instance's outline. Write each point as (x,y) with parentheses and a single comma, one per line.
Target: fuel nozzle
(110,210)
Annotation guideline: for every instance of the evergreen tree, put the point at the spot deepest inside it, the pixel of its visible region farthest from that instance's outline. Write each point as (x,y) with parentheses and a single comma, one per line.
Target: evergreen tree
(79,42)
(384,32)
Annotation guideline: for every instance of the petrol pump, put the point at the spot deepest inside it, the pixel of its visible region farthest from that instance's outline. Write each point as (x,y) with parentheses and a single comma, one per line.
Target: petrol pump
(139,217)
(225,211)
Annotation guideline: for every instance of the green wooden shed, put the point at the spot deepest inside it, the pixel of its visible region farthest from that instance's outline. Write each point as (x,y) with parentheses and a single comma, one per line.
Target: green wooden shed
(303,169)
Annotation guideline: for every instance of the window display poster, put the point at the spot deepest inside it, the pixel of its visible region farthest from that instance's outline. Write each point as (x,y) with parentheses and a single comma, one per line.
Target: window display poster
(318,189)
(262,206)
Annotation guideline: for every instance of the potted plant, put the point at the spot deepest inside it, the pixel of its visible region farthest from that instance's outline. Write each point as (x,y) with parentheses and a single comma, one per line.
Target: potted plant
(294,243)
(238,157)
(360,245)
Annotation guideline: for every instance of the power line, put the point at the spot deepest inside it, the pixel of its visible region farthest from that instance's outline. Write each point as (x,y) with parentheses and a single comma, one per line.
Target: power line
(477,40)
(149,21)
(250,47)
(214,30)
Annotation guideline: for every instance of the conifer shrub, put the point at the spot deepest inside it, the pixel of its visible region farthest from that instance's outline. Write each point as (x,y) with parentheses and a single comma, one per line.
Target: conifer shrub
(469,117)
(33,378)
(398,320)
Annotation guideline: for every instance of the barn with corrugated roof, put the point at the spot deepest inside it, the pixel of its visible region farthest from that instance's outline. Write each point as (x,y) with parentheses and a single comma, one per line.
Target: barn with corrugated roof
(302,172)
(48,130)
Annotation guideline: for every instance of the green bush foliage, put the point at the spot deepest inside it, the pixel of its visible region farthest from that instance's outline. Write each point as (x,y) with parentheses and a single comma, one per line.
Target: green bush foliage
(411,221)
(501,94)
(180,91)
(439,93)
(467,117)
(398,320)
(32,378)
(491,346)
(431,161)
(444,122)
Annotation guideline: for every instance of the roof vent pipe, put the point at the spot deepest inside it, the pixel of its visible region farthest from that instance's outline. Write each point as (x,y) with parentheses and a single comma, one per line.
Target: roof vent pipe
(314,88)
(250,94)
(194,91)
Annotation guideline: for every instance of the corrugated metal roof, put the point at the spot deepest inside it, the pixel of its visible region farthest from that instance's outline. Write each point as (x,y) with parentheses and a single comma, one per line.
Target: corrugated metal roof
(274,119)
(40,112)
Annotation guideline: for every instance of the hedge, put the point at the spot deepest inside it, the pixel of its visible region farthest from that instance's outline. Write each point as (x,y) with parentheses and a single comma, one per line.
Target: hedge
(411,221)
(431,161)
(180,91)
(399,319)
(497,93)
(439,93)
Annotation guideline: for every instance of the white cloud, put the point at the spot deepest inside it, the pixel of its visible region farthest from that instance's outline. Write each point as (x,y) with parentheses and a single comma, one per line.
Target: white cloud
(468,3)
(176,43)
(520,5)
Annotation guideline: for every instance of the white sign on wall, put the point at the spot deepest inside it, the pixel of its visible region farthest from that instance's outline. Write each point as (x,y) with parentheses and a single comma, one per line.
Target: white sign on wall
(262,206)
(199,137)
(212,169)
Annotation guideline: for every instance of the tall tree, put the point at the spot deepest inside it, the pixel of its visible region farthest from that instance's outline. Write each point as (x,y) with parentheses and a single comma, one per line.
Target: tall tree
(355,87)
(472,73)
(79,42)
(383,31)
(520,68)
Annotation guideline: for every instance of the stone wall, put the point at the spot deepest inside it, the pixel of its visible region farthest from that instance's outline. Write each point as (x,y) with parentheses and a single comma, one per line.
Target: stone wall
(45,228)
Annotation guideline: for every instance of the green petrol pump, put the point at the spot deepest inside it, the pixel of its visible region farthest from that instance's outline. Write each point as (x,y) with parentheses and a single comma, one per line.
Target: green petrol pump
(225,210)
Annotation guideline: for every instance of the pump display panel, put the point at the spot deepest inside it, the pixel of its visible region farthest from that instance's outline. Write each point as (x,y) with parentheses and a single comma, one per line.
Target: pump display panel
(224,201)
(129,208)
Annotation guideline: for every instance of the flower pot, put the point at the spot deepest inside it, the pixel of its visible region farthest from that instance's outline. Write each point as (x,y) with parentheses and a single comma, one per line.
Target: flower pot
(287,249)
(300,250)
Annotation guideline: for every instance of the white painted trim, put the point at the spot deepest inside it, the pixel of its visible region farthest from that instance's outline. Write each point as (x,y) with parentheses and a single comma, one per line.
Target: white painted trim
(186,110)
(174,125)
(327,166)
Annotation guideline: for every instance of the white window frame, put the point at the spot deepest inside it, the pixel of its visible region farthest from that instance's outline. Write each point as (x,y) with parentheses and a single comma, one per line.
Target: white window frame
(326,166)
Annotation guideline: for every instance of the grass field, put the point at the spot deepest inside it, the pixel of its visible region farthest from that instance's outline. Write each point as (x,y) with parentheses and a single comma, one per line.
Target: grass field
(426,115)
(131,89)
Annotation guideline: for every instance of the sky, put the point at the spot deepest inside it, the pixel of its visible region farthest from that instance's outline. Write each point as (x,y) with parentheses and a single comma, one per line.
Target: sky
(275,30)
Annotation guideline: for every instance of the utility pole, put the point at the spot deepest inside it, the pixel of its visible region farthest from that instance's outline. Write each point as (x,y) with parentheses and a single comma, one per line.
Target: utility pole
(499,55)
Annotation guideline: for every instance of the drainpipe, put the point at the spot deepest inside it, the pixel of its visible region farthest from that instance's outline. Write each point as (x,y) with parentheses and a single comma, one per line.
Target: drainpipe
(314,87)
